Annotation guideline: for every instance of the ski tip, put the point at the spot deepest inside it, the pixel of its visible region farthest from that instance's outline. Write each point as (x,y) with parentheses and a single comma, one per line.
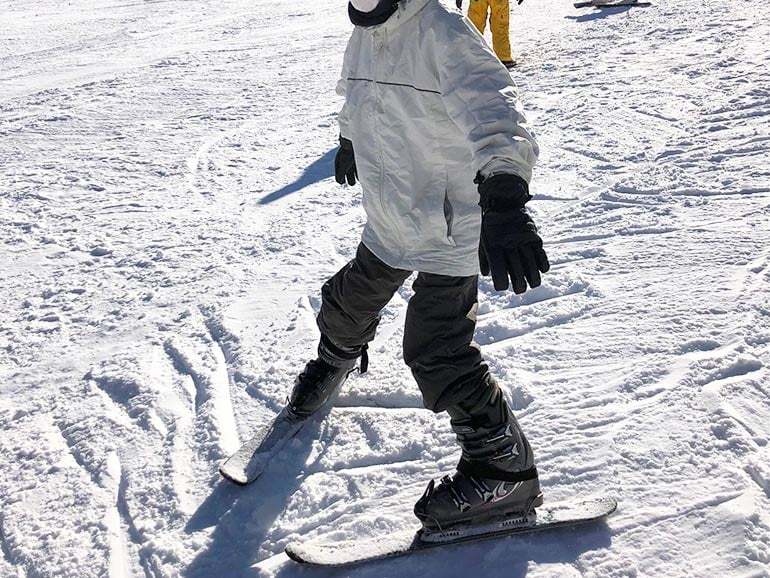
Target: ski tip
(237,480)
(314,554)
(289,551)
(600,507)
(293,554)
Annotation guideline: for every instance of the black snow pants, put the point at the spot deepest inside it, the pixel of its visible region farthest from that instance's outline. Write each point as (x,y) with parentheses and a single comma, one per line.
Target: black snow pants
(440,322)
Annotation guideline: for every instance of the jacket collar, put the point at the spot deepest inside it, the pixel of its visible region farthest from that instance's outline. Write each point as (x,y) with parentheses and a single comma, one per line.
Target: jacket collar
(407,9)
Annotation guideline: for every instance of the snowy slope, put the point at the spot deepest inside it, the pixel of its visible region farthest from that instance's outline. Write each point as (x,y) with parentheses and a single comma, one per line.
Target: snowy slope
(167,218)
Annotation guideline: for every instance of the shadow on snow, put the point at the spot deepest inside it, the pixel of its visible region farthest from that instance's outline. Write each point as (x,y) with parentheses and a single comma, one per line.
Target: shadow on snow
(599,13)
(316,171)
(243,519)
(243,516)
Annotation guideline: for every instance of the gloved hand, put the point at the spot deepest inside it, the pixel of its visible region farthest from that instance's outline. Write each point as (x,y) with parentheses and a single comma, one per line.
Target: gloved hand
(345,163)
(509,245)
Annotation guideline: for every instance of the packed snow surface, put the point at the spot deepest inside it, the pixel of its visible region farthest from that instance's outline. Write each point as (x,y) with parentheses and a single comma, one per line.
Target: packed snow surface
(167,217)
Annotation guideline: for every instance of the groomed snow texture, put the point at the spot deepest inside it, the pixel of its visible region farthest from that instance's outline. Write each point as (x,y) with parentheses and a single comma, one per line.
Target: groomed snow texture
(167,218)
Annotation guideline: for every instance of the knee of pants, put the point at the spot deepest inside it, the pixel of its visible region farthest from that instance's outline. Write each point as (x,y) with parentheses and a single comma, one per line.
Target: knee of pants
(438,335)
(499,17)
(446,379)
(477,13)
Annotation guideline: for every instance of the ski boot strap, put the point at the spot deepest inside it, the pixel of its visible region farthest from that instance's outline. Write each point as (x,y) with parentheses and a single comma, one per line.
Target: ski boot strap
(486,470)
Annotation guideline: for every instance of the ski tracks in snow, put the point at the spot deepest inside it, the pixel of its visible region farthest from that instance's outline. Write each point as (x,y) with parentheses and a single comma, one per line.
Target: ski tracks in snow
(164,273)
(686,410)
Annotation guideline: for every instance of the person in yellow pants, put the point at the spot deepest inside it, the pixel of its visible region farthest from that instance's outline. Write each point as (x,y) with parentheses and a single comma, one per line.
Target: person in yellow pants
(498,21)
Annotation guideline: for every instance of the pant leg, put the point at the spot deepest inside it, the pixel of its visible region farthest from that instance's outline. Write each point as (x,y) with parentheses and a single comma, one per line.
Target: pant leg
(440,322)
(477,12)
(499,23)
(353,298)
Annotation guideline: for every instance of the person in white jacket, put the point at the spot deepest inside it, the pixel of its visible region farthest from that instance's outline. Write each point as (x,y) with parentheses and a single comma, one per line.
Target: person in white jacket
(432,128)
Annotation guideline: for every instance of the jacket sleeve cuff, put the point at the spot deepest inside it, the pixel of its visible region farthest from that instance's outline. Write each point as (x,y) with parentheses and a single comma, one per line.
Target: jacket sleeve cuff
(503,193)
(501,166)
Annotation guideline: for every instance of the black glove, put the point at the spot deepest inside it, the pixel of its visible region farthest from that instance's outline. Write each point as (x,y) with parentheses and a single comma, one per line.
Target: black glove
(509,243)
(345,163)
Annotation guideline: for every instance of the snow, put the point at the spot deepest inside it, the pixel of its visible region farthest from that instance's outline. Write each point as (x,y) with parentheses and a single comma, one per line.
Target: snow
(167,218)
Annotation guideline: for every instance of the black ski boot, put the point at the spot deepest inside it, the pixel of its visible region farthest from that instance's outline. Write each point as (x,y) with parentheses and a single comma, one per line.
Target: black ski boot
(496,480)
(323,376)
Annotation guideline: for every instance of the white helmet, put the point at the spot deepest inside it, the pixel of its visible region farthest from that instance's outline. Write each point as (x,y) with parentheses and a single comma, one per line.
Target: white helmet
(364,5)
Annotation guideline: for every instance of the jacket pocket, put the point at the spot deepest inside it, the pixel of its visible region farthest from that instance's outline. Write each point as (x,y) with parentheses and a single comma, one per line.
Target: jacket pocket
(432,220)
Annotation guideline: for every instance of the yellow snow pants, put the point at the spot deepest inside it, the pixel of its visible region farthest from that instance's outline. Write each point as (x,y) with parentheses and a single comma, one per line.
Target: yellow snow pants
(498,22)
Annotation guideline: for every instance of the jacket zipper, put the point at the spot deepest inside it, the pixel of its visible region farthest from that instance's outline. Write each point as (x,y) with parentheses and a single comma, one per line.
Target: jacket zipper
(377,132)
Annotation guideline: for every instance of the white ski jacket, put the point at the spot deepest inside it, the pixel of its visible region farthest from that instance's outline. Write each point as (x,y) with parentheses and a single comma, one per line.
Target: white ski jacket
(427,104)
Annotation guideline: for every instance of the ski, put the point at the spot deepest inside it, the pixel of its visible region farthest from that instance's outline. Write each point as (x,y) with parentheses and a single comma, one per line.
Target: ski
(248,463)
(616,4)
(410,541)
